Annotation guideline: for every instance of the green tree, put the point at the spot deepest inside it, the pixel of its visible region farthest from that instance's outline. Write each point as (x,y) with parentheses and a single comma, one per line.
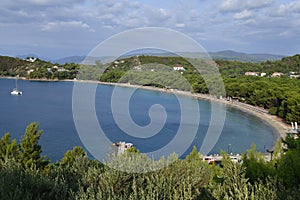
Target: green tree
(256,166)
(30,150)
(289,164)
(70,156)
(8,149)
(234,184)
(133,150)
(193,156)
(27,184)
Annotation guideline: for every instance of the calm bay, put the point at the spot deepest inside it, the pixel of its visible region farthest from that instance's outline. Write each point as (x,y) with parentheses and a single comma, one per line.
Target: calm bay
(50,104)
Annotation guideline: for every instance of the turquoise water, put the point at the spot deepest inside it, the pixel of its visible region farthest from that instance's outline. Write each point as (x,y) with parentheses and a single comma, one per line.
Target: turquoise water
(50,104)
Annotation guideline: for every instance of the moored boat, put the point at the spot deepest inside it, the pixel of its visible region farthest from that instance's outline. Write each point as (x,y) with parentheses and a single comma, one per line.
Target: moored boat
(15,91)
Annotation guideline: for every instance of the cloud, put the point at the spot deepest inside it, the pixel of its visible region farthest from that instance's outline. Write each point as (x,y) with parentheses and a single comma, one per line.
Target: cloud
(40,11)
(239,5)
(156,16)
(180,25)
(34,3)
(126,14)
(14,16)
(64,26)
(217,23)
(288,8)
(243,15)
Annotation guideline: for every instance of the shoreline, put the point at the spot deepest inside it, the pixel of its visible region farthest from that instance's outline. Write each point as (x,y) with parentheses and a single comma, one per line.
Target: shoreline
(278,125)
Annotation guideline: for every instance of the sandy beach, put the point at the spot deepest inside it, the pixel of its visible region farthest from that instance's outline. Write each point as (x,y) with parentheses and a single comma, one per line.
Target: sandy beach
(279,126)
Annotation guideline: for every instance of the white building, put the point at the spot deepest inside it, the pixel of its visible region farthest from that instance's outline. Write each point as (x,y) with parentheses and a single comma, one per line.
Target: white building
(178,68)
(122,147)
(251,73)
(263,74)
(294,76)
(137,68)
(31,59)
(276,74)
(61,69)
(30,71)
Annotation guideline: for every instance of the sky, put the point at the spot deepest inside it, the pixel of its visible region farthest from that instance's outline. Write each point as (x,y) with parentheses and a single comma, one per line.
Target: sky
(60,28)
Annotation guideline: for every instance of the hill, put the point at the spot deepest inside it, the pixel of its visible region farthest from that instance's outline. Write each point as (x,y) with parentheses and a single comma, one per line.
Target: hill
(286,65)
(36,69)
(71,59)
(243,57)
(221,55)
(11,66)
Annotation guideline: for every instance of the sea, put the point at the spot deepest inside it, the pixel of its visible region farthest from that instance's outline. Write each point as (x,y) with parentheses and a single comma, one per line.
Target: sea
(50,105)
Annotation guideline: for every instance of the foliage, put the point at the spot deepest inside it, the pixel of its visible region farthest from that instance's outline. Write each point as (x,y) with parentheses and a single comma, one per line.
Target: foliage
(30,150)
(19,183)
(27,152)
(8,149)
(257,167)
(279,95)
(289,165)
(78,177)
(133,150)
(234,184)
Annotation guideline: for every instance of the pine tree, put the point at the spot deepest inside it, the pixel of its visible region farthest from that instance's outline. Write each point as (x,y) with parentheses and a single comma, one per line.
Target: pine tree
(30,150)
(8,148)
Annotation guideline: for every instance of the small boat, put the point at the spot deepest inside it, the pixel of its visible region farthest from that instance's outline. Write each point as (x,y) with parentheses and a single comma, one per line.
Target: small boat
(15,91)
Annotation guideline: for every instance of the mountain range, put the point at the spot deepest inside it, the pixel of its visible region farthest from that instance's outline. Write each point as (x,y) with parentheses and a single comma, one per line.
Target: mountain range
(220,55)
(244,57)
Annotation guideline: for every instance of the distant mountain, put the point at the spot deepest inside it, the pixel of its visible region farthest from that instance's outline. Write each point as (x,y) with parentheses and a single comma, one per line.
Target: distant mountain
(243,57)
(80,59)
(223,55)
(71,59)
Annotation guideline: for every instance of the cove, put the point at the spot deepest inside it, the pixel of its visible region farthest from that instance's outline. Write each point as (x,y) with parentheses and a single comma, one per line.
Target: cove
(50,104)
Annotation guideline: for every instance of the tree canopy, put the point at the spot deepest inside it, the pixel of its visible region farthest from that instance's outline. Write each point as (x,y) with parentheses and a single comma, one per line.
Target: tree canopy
(25,174)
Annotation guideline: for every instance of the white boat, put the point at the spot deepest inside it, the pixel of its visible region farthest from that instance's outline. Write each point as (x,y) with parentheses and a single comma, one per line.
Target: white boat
(15,91)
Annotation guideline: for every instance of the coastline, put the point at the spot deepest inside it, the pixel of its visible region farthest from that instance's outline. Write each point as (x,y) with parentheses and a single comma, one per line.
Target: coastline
(279,126)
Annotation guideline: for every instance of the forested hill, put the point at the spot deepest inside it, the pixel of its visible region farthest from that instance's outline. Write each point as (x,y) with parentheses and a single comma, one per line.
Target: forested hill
(10,66)
(285,65)
(32,68)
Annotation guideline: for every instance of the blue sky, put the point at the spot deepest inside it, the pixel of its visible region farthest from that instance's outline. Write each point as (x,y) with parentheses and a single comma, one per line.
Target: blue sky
(60,28)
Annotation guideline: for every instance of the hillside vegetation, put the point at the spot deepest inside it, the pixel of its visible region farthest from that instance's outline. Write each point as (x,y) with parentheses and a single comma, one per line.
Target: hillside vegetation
(38,69)
(26,174)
